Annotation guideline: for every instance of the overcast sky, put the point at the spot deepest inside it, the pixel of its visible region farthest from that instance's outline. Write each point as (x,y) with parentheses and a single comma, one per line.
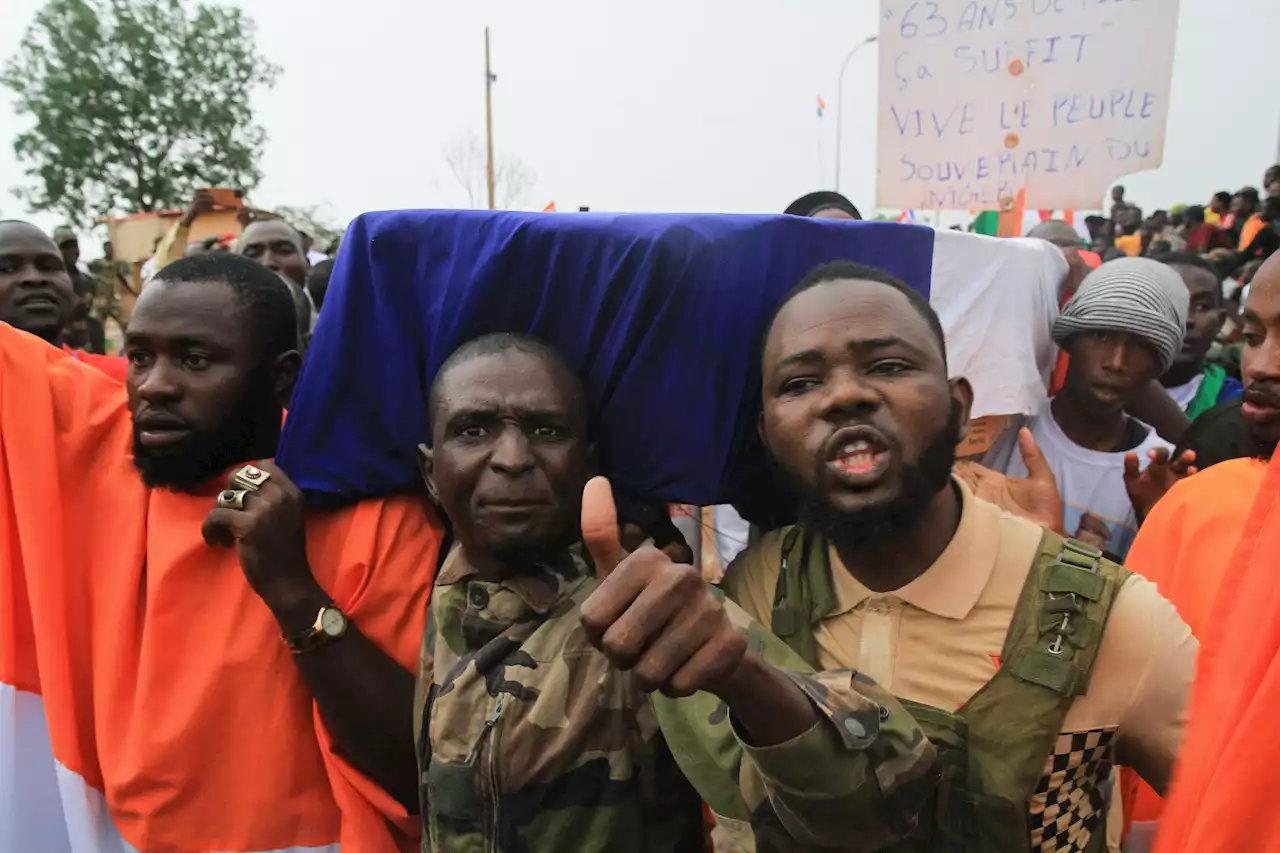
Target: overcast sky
(678,105)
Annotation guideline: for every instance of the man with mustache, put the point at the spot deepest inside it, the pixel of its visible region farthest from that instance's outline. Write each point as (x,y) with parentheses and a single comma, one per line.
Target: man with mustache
(1186,544)
(535,727)
(987,627)
(36,294)
(251,696)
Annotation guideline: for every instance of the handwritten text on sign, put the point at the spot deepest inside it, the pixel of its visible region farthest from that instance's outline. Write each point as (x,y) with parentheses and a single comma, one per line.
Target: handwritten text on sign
(980,98)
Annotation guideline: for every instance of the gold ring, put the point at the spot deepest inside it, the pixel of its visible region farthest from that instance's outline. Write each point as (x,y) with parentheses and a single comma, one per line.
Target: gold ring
(250,478)
(232,498)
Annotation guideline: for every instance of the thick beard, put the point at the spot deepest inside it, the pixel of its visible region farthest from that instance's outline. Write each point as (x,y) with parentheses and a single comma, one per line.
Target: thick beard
(921,482)
(250,432)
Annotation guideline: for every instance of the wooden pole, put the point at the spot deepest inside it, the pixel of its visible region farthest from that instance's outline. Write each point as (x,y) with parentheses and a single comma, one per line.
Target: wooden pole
(488,116)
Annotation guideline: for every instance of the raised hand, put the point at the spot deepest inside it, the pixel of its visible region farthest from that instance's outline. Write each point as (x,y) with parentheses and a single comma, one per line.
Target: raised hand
(201,202)
(1034,497)
(1147,486)
(269,531)
(651,615)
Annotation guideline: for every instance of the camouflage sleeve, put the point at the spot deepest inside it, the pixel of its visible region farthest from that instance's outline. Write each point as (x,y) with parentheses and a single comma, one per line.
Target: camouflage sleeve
(855,781)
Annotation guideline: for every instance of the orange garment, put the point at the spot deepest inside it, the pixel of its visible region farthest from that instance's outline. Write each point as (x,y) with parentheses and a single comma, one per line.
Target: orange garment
(178,721)
(115,366)
(1183,548)
(1249,230)
(1130,244)
(1223,797)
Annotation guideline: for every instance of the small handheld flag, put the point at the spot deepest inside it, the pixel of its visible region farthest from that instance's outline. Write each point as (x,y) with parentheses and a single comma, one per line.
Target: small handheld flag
(822,106)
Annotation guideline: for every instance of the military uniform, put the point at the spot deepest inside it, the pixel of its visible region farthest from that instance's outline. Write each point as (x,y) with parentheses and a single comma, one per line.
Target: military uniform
(106,301)
(530,740)
(1032,663)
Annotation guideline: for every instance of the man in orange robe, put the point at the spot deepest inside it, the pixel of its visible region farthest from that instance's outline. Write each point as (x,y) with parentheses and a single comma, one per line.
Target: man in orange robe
(1186,547)
(164,696)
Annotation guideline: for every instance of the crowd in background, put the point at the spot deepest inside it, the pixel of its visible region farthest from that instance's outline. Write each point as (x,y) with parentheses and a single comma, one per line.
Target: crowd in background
(1166,388)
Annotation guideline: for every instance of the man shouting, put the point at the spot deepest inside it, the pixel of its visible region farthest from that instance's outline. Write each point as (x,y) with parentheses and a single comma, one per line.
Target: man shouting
(536,727)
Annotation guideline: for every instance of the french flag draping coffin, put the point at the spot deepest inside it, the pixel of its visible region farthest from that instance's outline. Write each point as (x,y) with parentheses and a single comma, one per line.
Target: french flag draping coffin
(662,315)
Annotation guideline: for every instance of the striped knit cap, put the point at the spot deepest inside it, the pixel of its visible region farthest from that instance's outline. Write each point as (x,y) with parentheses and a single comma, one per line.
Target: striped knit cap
(1135,295)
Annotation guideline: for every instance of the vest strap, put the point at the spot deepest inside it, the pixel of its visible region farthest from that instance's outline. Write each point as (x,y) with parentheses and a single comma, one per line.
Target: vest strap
(1064,578)
(1055,672)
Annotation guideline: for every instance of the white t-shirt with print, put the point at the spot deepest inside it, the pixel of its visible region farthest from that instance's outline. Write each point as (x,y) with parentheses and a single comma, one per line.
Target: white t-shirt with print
(1089,481)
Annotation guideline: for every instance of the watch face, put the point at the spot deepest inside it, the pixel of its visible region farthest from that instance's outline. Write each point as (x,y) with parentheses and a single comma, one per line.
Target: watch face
(333,622)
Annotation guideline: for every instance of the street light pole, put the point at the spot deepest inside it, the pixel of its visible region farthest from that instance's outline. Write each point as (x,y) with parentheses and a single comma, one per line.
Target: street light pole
(840,99)
(489,78)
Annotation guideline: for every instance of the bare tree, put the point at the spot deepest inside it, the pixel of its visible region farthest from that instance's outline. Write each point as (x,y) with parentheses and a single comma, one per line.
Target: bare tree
(468,162)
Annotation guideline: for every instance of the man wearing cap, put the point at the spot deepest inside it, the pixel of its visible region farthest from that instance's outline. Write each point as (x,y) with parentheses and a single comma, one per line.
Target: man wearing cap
(1123,328)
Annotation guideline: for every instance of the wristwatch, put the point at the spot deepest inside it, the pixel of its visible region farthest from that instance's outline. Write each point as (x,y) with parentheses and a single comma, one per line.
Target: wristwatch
(330,625)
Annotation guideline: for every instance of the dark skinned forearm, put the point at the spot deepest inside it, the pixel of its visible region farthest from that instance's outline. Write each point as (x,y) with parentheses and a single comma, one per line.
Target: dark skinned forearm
(364,696)
(768,707)
(1151,404)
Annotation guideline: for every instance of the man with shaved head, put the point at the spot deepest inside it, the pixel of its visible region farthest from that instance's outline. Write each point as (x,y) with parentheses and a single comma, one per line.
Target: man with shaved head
(36,294)
(279,247)
(276,245)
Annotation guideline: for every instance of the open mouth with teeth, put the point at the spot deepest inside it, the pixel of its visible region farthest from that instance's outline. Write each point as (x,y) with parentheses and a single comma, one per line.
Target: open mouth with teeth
(859,457)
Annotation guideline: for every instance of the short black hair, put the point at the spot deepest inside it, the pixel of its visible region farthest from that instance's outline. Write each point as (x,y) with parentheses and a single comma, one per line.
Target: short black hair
(816,202)
(496,343)
(842,270)
(1250,194)
(1195,214)
(1190,259)
(265,298)
(1223,196)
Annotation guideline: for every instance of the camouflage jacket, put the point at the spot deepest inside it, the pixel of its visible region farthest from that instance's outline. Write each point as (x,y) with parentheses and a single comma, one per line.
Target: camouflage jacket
(528,740)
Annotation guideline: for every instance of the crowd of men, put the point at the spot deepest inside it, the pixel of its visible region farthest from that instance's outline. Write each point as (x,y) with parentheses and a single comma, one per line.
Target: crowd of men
(940,655)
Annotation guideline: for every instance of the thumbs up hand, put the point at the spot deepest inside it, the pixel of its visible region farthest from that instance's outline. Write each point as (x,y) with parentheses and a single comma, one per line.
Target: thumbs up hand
(653,616)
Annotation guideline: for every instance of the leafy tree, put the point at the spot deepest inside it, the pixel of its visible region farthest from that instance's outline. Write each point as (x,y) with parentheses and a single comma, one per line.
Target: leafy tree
(135,104)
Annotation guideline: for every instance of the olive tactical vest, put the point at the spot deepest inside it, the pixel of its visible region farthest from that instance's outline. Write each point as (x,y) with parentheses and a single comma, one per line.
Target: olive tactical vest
(993,750)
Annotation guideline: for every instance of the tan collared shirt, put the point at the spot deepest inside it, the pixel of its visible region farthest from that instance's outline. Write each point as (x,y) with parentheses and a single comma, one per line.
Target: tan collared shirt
(938,639)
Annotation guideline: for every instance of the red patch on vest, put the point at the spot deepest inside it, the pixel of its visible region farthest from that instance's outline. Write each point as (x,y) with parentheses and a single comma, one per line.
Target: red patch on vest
(995,659)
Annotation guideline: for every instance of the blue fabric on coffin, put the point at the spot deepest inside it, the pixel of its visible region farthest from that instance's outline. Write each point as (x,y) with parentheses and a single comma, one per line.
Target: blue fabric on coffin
(661,314)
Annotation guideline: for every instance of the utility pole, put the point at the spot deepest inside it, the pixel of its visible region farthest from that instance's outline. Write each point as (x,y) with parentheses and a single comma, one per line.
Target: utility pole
(489,79)
(840,99)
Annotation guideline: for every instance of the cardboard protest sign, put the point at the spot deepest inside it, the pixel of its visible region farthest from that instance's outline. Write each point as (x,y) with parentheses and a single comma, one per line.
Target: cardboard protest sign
(982,98)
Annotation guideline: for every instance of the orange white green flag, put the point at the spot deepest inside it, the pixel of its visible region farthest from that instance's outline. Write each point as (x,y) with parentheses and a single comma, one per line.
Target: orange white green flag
(147,703)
